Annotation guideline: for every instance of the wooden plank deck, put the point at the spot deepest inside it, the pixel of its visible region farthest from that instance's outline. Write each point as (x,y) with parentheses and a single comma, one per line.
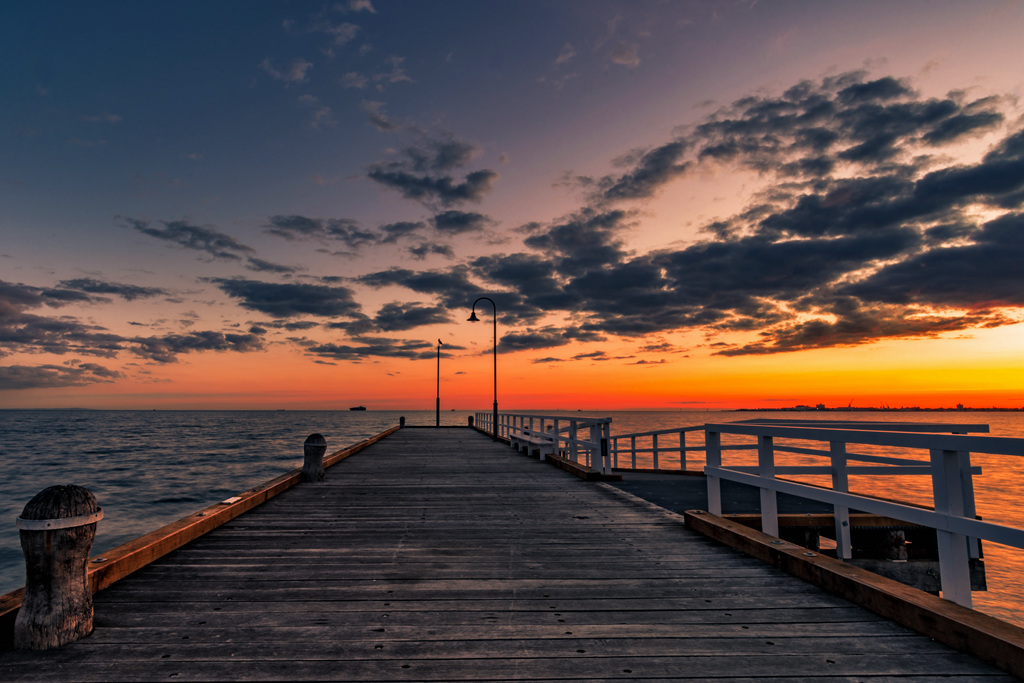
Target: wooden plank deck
(438,554)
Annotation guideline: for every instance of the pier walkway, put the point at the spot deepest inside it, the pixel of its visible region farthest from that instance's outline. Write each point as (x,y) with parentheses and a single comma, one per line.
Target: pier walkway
(439,554)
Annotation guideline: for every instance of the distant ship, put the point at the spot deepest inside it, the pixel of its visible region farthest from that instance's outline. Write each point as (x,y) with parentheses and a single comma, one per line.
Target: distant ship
(358,408)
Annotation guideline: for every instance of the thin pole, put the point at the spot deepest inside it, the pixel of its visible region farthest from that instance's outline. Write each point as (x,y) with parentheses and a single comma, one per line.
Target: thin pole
(495,370)
(473,318)
(437,404)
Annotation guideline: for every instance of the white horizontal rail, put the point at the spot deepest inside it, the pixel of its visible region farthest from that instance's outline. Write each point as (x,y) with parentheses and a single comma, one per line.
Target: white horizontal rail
(995,445)
(934,427)
(673,430)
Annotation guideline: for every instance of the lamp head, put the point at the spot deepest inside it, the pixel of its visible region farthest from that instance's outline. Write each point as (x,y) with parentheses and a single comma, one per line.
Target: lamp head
(473,318)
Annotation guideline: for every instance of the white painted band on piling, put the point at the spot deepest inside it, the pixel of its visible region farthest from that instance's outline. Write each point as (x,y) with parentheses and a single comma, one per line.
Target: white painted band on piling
(62,523)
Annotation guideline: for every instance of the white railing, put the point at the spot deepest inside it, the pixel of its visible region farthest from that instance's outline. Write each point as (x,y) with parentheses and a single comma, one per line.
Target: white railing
(948,464)
(626,448)
(576,438)
(657,447)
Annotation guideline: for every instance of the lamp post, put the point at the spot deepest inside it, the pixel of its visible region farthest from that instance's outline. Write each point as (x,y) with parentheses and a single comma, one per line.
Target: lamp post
(437,415)
(473,319)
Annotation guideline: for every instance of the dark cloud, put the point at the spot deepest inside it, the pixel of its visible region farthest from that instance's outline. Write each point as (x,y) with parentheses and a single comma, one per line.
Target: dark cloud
(986,273)
(125,291)
(166,349)
(396,231)
(16,298)
(431,249)
(654,169)
(198,238)
(260,266)
(445,190)
(344,230)
(20,377)
(891,247)
(533,339)
(452,286)
(425,173)
(454,222)
(857,324)
(440,155)
(587,240)
(396,317)
(369,348)
(291,299)
(29,333)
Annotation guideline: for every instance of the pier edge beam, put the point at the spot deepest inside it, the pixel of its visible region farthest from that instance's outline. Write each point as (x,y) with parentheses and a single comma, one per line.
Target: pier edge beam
(57,529)
(313,449)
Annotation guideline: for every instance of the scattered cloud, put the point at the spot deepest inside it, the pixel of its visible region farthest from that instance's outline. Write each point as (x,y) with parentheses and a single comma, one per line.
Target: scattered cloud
(199,238)
(425,173)
(296,72)
(377,118)
(320,115)
(625,54)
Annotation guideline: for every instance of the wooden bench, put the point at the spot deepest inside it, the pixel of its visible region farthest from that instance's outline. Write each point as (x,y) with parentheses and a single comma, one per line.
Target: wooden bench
(532,443)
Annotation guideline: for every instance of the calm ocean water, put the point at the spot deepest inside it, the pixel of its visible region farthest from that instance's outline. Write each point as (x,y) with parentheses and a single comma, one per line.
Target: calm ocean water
(149,468)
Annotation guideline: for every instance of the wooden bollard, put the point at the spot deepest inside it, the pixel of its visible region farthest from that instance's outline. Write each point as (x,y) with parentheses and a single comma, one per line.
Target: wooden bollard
(313,465)
(57,528)
(401,421)
(470,420)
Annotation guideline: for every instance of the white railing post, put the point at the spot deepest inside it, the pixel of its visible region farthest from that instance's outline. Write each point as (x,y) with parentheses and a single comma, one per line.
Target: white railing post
(769,499)
(654,449)
(574,448)
(713,454)
(632,449)
(841,482)
(970,510)
(954,568)
(593,451)
(606,431)
(682,450)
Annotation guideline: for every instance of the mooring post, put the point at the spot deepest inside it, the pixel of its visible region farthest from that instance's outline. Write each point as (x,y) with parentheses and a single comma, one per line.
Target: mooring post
(470,420)
(313,465)
(401,421)
(57,528)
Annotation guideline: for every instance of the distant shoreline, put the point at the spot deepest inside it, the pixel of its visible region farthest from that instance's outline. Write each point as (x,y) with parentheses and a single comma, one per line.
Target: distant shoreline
(808,409)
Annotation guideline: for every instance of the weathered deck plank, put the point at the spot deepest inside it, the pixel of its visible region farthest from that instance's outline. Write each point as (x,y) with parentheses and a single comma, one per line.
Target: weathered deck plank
(441,555)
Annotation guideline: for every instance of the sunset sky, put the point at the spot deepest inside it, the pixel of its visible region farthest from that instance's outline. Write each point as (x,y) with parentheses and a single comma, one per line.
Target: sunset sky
(678,205)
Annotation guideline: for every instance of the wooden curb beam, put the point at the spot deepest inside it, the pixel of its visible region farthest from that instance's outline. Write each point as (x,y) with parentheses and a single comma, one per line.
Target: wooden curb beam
(987,638)
(133,555)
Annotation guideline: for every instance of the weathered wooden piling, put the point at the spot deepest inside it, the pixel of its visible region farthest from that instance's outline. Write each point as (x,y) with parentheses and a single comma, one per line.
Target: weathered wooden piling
(314,449)
(57,528)
(401,421)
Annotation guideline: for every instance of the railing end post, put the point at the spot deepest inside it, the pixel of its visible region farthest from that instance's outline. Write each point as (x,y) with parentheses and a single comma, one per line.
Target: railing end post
(57,528)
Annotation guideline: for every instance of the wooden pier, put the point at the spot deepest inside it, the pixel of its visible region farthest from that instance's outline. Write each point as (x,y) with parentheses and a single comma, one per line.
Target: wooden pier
(440,554)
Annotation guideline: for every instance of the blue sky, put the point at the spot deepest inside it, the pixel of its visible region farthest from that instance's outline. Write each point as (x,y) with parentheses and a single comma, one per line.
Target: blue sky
(188,185)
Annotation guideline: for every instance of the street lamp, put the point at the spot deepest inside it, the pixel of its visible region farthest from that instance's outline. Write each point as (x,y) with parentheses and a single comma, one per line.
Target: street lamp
(437,416)
(473,319)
